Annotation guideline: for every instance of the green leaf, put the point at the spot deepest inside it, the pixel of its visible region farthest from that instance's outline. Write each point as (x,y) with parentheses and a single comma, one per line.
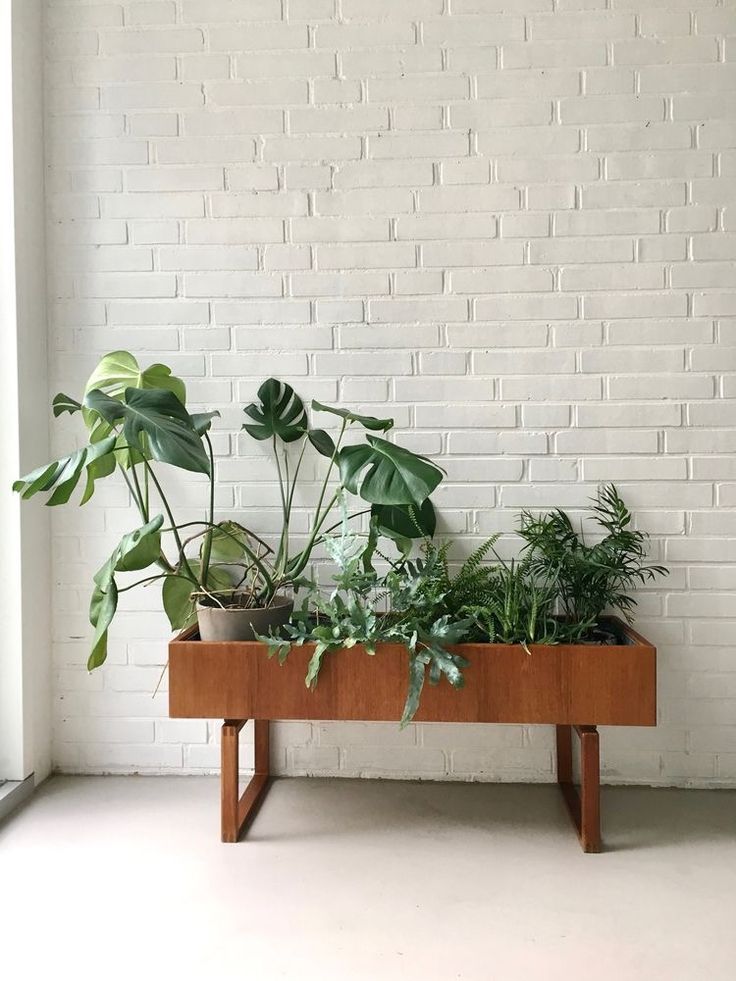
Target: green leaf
(102,466)
(136,550)
(202,421)
(119,370)
(180,607)
(281,413)
(405,520)
(322,442)
(102,609)
(393,475)
(228,542)
(65,403)
(177,600)
(315,663)
(416,682)
(160,417)
(367,422)
(140,548)
(64,474)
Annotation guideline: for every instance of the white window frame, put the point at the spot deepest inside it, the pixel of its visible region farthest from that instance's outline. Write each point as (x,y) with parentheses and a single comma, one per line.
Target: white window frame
(25,594)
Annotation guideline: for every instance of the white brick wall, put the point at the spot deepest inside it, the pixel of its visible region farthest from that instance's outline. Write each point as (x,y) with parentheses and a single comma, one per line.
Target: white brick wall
(509,223)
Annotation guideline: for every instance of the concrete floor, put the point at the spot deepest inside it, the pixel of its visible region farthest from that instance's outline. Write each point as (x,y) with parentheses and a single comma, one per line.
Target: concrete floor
(346,880)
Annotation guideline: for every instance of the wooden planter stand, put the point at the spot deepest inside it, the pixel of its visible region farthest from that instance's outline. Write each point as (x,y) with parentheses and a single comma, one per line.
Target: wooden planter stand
(574,687)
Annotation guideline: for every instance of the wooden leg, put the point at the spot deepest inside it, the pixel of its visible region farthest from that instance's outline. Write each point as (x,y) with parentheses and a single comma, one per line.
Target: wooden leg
(584,807)
(237,811)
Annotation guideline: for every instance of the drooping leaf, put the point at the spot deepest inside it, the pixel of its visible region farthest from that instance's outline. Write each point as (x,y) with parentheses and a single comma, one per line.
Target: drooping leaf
(322,442)
(136,550)
(417,667)
(68,478)
(101,467)
(102,609)
(64,474)
(315,663)
(155,420)
(228,542)
(140,548)
(65,403)
(177,600)
(120,370)
(367,422)
(384,473)
(203,420)
(179,604)
(405,520)
(281,413)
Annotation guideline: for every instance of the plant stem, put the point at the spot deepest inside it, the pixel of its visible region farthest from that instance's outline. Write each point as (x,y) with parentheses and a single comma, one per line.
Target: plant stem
(207,550)
(280,555)
(301,560)
(174,529)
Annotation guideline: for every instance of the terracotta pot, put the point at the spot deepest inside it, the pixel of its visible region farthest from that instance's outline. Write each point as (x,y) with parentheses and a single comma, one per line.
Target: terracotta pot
(217,624)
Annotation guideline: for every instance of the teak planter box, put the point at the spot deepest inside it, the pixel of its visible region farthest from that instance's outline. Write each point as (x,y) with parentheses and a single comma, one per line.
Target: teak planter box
(570,686)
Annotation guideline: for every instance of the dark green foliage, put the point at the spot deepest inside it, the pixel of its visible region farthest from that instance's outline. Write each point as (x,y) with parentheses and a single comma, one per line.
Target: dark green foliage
(589,578)
(516,608)
(366,608)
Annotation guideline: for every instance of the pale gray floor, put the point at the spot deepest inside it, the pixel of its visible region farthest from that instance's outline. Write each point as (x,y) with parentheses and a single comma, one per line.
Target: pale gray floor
(124,877)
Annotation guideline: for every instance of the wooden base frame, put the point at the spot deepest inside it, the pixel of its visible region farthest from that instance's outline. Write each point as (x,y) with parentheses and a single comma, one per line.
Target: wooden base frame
(238,810)
(584,806)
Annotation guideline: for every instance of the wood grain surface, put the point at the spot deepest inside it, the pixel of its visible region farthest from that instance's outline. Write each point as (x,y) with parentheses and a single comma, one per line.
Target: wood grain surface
(565,684)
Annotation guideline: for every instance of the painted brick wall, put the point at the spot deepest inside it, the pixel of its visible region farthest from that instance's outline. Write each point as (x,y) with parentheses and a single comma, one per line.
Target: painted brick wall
(509,223)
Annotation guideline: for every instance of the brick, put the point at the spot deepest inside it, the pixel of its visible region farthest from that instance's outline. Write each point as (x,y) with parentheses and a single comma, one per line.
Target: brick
(124,68)
(500,112)
(554,54)
(173,40)
(176,179)
(147,12)
(262,93)
(346,36)
(526,307)
(656,51)
(368,256)
(259,37)
(312,148)
(456,199)
(446,144)
(348,119)
(383,173)
(419,88)
(445,226)
(216,11)
(329,284)
(400,61)
(363,202)
(234,231)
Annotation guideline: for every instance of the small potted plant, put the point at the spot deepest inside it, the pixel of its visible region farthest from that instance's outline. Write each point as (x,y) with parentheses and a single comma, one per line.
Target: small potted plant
(220,573)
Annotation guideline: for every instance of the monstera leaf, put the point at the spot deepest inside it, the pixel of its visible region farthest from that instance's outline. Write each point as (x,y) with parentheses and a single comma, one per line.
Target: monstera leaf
(322,442)
(136,550)
(65,403)
(119,371)
(281,413)
(179,604)
(63,475)
(367,422)
(383,473)
(154,421)
(405,520)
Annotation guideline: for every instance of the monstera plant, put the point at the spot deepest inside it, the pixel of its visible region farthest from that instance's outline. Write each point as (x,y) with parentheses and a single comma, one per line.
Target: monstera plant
(136,419)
